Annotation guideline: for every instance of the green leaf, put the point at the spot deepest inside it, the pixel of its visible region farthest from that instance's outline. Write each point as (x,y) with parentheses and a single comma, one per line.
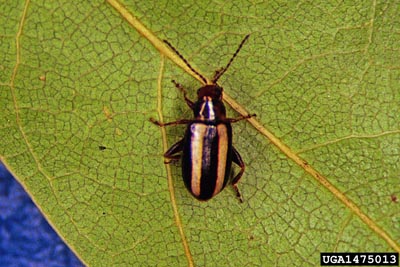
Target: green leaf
(79,82)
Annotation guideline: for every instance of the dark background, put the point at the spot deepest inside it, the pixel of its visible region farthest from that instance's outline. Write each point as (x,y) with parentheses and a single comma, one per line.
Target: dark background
(26,239)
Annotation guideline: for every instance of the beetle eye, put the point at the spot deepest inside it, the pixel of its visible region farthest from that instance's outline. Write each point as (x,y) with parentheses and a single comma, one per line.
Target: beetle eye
(218,92)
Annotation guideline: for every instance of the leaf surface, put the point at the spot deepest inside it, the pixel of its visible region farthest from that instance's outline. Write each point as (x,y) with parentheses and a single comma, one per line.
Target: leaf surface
(79,82)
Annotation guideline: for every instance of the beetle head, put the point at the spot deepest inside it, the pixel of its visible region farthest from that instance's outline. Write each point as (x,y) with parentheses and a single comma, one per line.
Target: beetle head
(214,91)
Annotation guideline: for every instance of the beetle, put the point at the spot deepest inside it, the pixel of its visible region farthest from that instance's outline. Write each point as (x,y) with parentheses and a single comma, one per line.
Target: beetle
(207,151)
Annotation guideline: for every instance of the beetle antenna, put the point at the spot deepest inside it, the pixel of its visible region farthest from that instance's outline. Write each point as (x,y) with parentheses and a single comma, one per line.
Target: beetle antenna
(221,72)
(186,62)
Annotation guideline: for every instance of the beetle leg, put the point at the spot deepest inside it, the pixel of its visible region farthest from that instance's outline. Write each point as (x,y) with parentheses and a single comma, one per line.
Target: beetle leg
(182,89)
(232,120)
(170,154)
(236,158)
(161,124)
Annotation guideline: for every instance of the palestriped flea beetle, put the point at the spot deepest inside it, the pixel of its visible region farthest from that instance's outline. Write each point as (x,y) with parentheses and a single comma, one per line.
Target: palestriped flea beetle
(207,151)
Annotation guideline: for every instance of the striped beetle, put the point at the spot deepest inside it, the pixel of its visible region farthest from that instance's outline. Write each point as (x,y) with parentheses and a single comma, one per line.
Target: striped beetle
(207,151)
